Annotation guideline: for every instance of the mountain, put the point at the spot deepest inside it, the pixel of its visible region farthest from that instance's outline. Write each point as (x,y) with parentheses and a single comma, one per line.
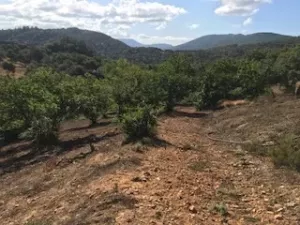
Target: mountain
(135,44)
(212,41)
(132,43)
(102,44)
(162,46)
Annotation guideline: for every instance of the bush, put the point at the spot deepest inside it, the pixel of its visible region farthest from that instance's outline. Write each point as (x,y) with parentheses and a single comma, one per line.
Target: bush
(9,67)
(139,123)
(44,131)
(287,152)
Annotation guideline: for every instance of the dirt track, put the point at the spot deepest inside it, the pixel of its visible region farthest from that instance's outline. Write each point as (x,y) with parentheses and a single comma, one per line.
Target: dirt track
(187,179)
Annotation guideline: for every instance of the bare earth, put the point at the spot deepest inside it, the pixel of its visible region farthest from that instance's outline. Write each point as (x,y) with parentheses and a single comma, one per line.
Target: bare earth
(186,179)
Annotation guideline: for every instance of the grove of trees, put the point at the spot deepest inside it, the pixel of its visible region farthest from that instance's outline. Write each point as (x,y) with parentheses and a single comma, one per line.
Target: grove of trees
(35,105)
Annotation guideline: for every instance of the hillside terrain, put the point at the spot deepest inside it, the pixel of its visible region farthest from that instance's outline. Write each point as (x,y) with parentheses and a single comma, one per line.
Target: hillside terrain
(186,178)
(135,44)
(212,41)
(148,136)
(102,44)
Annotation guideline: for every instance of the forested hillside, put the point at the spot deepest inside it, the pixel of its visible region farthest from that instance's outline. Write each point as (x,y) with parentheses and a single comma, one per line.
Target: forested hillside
(64,55)
(101,43)
(135,44)
(212,41)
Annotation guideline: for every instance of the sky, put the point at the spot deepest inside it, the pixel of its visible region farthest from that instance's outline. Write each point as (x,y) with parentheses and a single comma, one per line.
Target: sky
(156,21)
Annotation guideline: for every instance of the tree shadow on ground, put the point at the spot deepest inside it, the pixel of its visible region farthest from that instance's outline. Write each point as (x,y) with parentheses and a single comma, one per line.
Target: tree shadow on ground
(28,154)
(103,209)
(92,126)
(188,114)
(152,141)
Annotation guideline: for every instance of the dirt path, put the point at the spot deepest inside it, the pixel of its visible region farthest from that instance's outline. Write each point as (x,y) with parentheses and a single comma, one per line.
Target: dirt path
(191,181)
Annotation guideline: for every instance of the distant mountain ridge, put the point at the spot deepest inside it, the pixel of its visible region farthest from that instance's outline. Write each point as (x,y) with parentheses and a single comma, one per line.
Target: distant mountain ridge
(106,46)
(135,44)
(212,41)
(100,43)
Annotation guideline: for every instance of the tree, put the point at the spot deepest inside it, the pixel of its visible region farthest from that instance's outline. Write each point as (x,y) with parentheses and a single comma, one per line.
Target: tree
(176,76)
(138,123)
(9,66)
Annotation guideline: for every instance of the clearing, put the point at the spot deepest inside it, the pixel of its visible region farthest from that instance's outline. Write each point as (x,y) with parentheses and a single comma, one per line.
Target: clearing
(186,178)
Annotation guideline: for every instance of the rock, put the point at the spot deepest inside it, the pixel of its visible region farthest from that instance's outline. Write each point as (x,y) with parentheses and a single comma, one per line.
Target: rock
(278,217)
(139,179)
(277,206)
(280,210)
(192,209)
(179,194)
(147,174)
(291,204)
(153,206)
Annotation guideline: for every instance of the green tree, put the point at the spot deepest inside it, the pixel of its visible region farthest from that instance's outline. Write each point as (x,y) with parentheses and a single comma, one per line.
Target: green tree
(9,66)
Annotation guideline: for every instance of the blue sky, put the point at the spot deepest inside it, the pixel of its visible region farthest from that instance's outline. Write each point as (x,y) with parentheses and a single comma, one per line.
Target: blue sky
(156,21)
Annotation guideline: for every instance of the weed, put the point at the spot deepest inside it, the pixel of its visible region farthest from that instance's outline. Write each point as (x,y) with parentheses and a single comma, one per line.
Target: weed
(187,147)
(286,152)
(199,166)
(250,219)
(256,148)
(221,208)
(230,193)
(227,189)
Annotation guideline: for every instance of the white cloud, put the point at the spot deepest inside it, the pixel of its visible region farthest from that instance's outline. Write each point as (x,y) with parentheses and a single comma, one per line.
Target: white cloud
(245,32)
(114,18)
(161,26)
(239,7)
(248,21)
(193,26)
(143,38)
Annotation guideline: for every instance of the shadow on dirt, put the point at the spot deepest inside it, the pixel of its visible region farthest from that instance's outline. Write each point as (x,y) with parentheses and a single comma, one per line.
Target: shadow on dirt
(24,155)
(92,126)
(103,209)
(189,114)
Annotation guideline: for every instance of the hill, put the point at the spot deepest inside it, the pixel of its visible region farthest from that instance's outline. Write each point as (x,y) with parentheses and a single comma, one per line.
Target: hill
(135,44)
(119,185)
(212,41)
(132,43)
(102,44)
(162,46)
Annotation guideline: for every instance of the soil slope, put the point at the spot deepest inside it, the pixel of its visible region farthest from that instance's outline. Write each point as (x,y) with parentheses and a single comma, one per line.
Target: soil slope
(187,178)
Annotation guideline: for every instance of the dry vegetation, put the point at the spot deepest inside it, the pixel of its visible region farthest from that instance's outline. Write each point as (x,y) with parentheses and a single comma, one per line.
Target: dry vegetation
(192,174)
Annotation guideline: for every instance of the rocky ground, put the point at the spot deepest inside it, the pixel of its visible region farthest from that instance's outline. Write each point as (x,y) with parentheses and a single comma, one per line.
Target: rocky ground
(196,172)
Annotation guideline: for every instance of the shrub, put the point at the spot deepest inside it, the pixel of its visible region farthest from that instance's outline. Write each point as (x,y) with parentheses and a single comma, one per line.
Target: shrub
(221,208)
(256,148)
(44,131)
(287,152)
(138,123)
(9,67)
